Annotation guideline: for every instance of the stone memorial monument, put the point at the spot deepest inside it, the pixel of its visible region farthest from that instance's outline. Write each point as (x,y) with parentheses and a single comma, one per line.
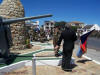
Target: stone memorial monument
(14,9)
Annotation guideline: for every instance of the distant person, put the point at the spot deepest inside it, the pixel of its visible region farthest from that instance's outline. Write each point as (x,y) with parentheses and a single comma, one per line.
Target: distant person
(42,35)
(56,35)
(69,37)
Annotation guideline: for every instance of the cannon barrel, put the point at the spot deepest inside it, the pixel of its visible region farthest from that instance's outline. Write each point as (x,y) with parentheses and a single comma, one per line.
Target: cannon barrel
(14,20)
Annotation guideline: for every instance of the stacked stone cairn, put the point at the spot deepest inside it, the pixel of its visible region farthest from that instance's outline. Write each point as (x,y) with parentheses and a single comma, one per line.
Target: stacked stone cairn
(14,9)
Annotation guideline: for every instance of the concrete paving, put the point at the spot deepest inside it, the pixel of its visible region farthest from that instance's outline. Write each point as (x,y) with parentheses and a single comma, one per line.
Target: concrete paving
(91,53)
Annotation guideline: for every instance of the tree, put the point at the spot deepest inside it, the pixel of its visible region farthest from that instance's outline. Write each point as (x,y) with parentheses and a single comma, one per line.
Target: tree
(74,28)
(61,23)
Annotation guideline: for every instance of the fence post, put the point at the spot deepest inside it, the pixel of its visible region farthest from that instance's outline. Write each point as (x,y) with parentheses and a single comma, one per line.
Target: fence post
(34,65)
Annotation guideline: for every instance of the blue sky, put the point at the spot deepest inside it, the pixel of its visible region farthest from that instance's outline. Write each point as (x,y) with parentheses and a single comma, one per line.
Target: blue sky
(87,11)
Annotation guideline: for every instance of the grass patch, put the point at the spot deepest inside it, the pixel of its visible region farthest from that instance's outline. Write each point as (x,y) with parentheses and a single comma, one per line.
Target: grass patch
(17,58)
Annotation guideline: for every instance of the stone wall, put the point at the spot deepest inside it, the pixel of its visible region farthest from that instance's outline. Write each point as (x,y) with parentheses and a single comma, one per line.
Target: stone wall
(14,9)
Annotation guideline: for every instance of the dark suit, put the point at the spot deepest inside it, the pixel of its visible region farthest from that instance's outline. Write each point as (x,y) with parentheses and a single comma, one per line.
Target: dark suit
(69,38)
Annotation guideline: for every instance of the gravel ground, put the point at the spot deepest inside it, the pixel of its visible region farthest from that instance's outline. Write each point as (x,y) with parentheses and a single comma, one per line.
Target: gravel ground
(34,48)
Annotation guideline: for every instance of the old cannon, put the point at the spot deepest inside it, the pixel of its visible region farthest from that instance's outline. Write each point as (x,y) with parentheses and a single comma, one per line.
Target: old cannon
(5,34)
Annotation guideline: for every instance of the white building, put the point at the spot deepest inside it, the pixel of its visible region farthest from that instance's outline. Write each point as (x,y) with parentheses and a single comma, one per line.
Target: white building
(88,28)
(31,23)
(96,27)
(91,27)
(76,23)
(36,23)
(48,25)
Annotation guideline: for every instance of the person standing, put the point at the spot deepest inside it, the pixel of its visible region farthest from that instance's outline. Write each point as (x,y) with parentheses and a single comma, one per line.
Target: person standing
(69,37)
(56,35)
(42,35)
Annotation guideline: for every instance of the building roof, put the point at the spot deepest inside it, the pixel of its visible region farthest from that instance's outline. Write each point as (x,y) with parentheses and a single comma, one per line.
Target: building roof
(87,26)
(76,22)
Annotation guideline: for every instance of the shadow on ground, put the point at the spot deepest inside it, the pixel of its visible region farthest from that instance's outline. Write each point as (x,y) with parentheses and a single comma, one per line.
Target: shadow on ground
(73,66)
(10,59)
(83,61)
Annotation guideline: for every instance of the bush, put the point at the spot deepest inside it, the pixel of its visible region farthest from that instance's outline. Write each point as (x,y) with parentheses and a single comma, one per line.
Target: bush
(28,45)
(74,28)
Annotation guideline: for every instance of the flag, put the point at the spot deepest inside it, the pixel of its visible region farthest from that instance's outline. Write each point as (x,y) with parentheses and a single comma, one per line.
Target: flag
(83,44)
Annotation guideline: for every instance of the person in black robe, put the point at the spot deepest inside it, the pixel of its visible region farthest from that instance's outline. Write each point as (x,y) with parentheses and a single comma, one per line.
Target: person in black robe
(69,37)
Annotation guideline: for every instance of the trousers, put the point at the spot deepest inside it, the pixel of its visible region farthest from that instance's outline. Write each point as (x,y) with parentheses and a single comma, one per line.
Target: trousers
(66,58)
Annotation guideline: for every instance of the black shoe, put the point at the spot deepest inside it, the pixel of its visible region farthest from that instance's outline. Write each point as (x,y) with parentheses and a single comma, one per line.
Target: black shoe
(68,70)
(57,55)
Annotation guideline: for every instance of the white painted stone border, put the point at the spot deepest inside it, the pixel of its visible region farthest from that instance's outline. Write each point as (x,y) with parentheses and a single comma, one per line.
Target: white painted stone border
(36,50)
(32,51)
(11,67)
